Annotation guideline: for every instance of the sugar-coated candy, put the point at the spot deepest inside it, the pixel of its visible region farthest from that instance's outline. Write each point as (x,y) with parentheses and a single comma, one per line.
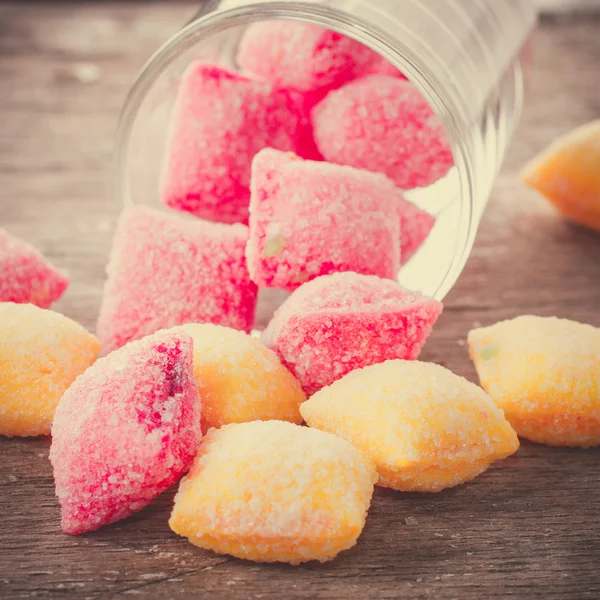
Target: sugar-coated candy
(271,491)
(415,226)
(567,173)
(41,354)
(125,431)
(26,276)
(342,322)
(312,218)
(383,124)
(425,428)
(302,56)
(381,66)
(240,379)
(166,270)
(545,374)
(220,121)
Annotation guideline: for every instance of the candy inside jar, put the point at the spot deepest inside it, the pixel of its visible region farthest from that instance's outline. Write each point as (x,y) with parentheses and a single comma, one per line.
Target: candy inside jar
(415,107)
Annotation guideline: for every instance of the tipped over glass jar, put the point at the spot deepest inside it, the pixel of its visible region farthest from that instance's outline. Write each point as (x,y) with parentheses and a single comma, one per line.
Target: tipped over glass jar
(464,56)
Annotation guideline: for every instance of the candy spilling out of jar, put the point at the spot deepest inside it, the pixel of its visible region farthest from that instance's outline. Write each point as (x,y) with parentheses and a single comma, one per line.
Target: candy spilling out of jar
(339,354)
(26,276)
(567,173)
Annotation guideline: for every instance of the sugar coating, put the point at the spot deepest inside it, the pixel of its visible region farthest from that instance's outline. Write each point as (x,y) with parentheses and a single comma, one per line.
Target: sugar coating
(342,322)
(125,431)
(545,374)
(26,276)
(567,173)
(381,66)
(271,491)
(425,428)
(41,354)
(240,379)
(302,56)
(309,219)
(383,124)
(165,271)
(220,121)
(415,226)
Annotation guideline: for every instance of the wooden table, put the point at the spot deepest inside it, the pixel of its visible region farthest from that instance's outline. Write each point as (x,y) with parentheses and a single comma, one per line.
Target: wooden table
(529,528)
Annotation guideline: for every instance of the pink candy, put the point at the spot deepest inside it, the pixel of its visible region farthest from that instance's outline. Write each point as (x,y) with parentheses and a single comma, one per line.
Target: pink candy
(221,120)
(302,56)
(345,321)
(381,66)
(312,218)
(383,124)
(26,277)
(415,226)
(125,431)
(166,270)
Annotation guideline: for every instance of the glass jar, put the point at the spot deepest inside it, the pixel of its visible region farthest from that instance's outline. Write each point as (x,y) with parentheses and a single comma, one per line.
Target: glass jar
(463,55)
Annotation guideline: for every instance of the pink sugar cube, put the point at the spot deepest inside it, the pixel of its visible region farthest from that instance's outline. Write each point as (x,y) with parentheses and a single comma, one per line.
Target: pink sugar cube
(166,270)
(342,322)
(312,218)
(26,277)
(125,431)
(220,121)
(415,226)
(383,124)
(302,56)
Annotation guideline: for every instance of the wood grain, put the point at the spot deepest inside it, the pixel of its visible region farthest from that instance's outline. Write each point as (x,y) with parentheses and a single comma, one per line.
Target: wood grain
(529,528)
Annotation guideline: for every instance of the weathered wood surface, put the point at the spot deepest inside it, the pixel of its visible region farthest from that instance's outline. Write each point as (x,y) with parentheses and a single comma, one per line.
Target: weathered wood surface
(529,528)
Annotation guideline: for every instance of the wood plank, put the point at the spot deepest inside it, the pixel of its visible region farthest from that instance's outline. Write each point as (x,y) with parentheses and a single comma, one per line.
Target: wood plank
(528,528)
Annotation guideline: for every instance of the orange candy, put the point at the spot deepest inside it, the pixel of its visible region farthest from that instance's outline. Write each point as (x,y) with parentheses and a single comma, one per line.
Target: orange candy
(241,380)
(271,491)
(568,174)
(41,354)
(545,374)
(425,428)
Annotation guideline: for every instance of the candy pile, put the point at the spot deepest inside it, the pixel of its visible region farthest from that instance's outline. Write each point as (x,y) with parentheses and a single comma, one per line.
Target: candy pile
(184,387)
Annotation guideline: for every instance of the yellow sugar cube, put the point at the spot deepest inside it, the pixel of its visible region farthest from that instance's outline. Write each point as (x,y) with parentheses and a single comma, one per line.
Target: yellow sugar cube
(424,427)
(545,374)
(272,491)
(41,354)
(241,380)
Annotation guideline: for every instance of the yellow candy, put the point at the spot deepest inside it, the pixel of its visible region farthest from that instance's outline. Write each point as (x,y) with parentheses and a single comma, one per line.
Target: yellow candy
(241,380)
(425,428)
(41,354)
(545,374)
(271,491)
(568,174)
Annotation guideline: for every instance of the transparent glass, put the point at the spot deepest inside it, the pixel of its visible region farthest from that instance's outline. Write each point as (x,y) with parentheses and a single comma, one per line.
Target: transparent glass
(464,56)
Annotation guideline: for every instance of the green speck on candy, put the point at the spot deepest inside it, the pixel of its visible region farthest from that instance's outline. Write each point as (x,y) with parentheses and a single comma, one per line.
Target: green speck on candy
(274,245)
(490,351)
